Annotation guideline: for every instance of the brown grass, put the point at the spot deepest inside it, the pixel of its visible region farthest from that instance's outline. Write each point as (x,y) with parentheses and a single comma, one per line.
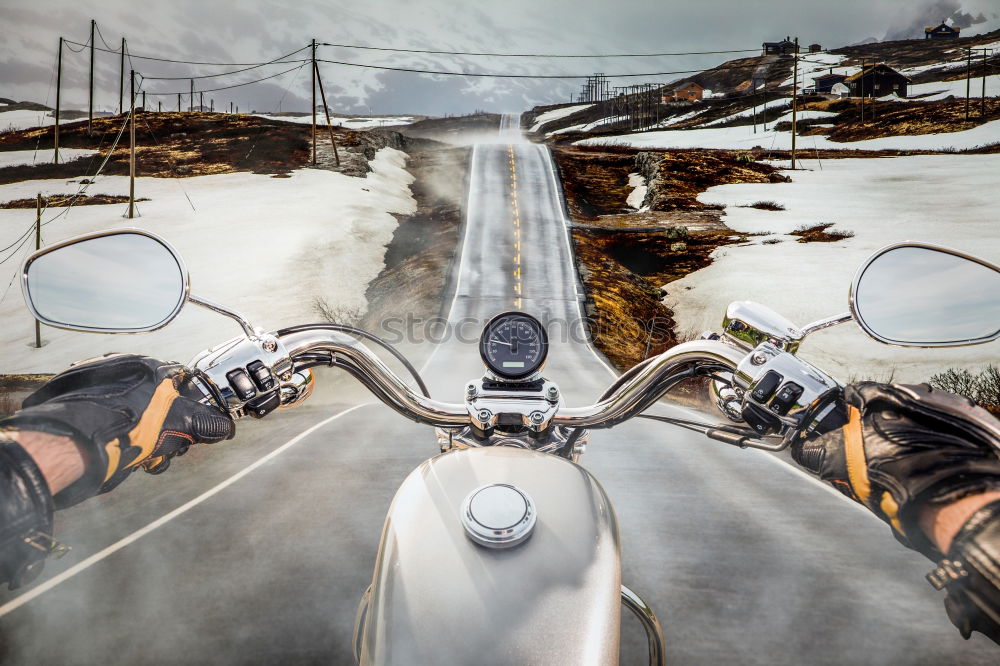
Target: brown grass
(63,201)
(818,234)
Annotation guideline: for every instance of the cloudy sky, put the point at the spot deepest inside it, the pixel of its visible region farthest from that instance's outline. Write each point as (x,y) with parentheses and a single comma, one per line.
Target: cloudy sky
(252,31)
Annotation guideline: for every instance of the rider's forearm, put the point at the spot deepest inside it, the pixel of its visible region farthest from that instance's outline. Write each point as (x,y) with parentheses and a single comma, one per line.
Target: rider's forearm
(57,457)
(942,523)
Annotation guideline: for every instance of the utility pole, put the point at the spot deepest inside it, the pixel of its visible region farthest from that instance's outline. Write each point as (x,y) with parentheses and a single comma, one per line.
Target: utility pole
(38,246)
(90,107)
(143,100)
(121,81)
(314,99)
(131,157)
(201,101)
(795,96)
(982,97)
(968,82)
(191,98)
(58,100)
(159,106)
(326,108)
(212,105)
(178,102)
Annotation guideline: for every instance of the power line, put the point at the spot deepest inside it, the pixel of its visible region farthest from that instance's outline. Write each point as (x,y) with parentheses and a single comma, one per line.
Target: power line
(235,71)
(98,26)
(523,76)
(237,85)
(181,62)
(536,55)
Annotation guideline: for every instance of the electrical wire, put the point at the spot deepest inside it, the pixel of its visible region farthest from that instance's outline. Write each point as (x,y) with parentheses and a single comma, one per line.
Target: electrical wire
(238,85)
(67,42)
(181,62)
(523,76)
(99,34)
(278,60)
(534,55)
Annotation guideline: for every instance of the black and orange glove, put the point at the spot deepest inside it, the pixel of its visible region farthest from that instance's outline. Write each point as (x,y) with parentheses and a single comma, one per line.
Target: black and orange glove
(124,411)
(906,447)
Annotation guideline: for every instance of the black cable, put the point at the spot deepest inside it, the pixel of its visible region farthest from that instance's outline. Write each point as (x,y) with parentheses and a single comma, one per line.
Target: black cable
(181,62)
(534,55)
(524,76)
(351,330)
(98,26)
(238,85)
(276,61)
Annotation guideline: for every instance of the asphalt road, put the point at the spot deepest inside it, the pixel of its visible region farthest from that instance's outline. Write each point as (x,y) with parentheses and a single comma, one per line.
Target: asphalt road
(257,550)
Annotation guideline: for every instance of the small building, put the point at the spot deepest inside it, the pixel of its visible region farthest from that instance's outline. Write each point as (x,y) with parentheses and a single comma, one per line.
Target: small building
(824,83)
(686,92)
(784,47)
(943,31)
(877,81)
(815,48)
(840,90)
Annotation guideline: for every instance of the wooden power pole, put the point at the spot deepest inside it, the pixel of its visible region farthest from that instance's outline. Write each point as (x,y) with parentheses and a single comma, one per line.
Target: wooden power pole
(795,96)
(38,246)
(90,107)
(982,97)
(131,157)
(314,99)
(55,159)
(191,98)
(121,81)
(326,108)
(968,81)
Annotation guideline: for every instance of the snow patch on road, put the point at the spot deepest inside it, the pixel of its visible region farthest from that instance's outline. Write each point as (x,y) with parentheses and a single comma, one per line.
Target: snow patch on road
(264,246)
(882,201)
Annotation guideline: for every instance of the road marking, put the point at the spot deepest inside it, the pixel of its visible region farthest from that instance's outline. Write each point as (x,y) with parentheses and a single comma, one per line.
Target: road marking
(36,592)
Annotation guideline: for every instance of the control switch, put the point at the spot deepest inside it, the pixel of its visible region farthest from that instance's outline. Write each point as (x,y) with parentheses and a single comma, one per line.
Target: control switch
(241,384)
(786,397)
(261,376)
(759,419)
(766,387)
(263,405)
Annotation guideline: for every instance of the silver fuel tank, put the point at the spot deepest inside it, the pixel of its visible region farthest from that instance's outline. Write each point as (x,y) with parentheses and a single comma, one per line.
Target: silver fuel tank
(439,598)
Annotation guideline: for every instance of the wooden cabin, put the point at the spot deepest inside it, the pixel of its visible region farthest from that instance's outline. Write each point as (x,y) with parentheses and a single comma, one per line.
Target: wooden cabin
(877,81)
(943,31)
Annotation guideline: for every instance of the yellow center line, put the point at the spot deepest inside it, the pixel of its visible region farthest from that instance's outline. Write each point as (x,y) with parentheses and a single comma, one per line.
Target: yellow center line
(517,227)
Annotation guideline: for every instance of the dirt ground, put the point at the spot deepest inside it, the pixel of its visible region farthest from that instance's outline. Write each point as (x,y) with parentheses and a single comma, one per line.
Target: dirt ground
(624,256)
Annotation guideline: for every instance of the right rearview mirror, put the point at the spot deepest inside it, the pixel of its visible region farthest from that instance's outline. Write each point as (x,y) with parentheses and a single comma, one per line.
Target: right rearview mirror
(112,282)
(925,296)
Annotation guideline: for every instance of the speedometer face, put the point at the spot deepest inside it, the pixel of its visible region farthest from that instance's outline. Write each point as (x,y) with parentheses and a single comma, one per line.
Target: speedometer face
(514,345)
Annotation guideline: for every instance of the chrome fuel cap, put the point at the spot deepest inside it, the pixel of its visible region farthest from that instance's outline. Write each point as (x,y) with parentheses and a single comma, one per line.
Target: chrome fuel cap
(498,515)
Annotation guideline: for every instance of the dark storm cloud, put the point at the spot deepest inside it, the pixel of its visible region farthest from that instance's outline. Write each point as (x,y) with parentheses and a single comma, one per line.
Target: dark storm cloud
(255,30)
(921,15)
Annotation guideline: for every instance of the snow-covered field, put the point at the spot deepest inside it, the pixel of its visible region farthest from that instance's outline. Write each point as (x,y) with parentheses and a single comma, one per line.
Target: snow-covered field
(742,137)
(950,200)
(348,122)
(936,90)
(261,245)
(23,119)
(556,114)
(10,158)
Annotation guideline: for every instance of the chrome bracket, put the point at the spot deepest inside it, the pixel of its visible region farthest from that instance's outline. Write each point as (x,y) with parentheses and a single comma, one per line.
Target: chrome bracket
(645,614)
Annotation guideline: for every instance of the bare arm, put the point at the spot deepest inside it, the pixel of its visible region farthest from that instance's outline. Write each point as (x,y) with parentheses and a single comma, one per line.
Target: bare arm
(942,523)
(57,457)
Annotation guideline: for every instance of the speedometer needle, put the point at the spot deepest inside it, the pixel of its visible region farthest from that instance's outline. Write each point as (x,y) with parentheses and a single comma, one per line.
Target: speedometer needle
(499,342)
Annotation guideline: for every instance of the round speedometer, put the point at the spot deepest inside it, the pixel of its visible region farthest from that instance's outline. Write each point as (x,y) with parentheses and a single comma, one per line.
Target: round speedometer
(514,345)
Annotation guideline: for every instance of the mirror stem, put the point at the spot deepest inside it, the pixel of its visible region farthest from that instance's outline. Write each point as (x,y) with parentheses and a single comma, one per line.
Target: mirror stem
(247,327)
(826,323)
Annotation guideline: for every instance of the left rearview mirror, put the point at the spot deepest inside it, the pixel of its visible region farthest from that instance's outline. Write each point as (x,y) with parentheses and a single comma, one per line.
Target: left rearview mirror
(111,282)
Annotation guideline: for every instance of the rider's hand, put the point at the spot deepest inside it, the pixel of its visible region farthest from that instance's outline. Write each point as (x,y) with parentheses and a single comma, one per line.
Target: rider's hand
(904,449)
(123,411)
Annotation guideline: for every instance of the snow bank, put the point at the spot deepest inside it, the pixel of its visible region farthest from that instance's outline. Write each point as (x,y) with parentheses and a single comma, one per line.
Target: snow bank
(344,121)
(10,158)
(261,245)
(742,137)
(25,119)
(556,114)
(638,194)
(936,90)
(950,200)
(747,113)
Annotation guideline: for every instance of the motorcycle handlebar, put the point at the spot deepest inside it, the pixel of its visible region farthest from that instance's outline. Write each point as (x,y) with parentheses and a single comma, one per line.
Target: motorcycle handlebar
(629,396)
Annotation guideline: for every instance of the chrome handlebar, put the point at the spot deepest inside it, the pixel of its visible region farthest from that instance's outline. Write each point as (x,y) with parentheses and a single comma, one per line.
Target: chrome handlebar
(638,392)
